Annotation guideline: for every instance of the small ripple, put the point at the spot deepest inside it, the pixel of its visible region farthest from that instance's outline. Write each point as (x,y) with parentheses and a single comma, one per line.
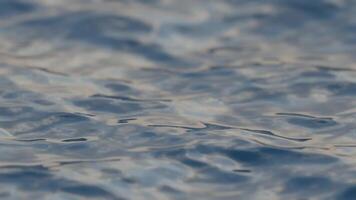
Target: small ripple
(75,140)
(309,121)
(206,127)
(328,68)
(303,115)
(123,98)
(242,170)
(125,121)
(269,133)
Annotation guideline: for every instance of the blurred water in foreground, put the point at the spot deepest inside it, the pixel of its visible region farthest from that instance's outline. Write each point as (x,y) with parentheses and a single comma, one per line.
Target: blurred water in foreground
(178,99)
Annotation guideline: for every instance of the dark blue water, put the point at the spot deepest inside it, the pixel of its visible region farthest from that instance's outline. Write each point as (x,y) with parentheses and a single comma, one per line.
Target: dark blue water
(178,99)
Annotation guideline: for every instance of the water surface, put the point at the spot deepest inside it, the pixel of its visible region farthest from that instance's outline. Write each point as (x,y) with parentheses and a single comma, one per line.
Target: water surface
(177,99)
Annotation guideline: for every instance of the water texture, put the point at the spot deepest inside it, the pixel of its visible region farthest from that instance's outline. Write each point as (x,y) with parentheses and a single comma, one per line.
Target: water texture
(178,99)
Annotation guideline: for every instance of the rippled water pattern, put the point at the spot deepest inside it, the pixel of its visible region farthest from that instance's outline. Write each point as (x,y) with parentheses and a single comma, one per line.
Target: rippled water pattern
(178,99)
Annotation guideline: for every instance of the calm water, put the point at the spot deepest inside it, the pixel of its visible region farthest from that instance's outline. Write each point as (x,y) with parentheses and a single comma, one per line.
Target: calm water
(178,99)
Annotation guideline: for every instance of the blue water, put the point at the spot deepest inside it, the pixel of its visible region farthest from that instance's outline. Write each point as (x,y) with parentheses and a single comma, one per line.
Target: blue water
(178,99)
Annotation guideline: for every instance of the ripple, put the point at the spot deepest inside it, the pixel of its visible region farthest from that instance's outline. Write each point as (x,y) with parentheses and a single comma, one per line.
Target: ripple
(309,121)
(75,140)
